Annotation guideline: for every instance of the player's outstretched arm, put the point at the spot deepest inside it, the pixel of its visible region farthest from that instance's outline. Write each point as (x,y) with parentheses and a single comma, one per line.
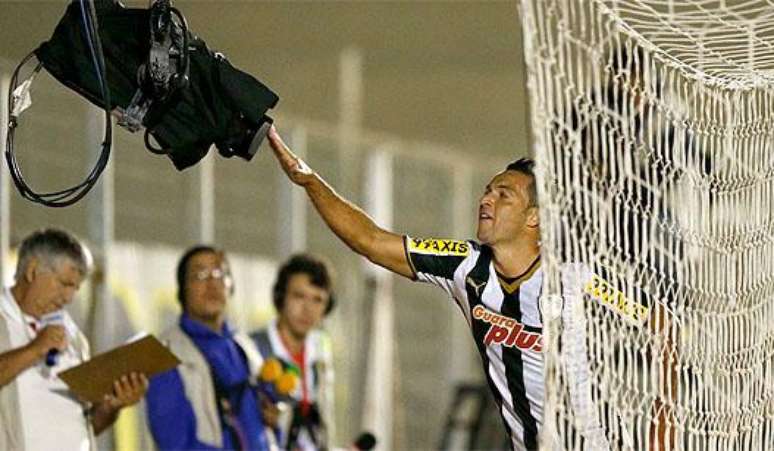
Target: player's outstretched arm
(346,220)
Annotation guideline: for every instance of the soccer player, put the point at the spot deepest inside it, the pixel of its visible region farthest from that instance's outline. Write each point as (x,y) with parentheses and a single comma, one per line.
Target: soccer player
(496,281)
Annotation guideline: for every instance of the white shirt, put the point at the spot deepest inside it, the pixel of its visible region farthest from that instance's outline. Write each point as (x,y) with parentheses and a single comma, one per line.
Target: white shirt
(318,377)
(51,419)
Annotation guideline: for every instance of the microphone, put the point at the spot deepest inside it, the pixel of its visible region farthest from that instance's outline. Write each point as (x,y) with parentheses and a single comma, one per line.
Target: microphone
(275,382)
(365,442)
(52,357)
(286,383)
(270,372)
(55,319)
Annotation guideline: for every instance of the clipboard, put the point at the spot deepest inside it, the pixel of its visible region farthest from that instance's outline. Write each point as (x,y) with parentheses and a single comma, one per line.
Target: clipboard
(92,380)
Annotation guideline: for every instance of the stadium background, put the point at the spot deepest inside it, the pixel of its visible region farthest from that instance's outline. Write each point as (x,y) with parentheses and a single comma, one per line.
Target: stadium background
(408,107)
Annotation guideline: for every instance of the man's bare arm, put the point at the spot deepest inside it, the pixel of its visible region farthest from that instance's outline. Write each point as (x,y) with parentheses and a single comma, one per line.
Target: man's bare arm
(17,360)
(662,431)
(351,224)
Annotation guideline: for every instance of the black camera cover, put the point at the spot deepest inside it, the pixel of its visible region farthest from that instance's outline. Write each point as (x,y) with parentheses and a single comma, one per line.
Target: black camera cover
(220,104)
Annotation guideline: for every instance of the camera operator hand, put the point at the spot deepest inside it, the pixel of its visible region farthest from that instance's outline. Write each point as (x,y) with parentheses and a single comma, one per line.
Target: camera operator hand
(296,169)
(53,336)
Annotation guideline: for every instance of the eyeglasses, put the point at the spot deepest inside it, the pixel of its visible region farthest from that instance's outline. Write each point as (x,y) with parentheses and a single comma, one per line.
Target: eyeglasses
(204,274)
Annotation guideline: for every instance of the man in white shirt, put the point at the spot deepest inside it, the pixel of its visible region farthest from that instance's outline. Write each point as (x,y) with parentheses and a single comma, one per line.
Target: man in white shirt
(303,297)
(37,412)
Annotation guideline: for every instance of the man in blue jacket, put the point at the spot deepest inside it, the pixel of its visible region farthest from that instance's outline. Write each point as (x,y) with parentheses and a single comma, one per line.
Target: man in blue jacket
(208,402)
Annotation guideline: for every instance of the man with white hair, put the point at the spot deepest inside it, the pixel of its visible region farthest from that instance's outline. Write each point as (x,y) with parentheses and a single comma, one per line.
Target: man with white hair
(37,411)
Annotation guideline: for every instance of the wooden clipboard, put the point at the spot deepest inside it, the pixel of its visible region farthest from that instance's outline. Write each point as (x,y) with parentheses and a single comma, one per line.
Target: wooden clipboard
(92,380)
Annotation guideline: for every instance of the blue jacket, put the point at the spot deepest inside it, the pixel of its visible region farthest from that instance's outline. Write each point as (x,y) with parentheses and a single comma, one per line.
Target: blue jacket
(171,415)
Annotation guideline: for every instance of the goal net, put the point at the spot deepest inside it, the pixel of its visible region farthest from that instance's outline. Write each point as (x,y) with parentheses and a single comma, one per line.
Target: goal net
(653,127)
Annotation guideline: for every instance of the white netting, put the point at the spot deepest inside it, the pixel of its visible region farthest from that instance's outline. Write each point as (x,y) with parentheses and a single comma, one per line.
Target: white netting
(653,124)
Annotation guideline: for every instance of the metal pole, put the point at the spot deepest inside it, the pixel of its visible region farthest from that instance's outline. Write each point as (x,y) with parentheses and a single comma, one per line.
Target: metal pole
(462,365)
(207,199)
(291,214)
(349,137)
(350,101)
(104,318)
(5,185)
(378,410)
(200,204)
(107,327)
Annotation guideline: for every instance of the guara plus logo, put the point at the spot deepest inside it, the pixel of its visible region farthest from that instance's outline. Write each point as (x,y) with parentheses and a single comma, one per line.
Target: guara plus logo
(507,331)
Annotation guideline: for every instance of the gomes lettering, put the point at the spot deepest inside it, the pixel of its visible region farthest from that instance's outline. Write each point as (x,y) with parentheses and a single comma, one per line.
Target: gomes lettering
(507,331)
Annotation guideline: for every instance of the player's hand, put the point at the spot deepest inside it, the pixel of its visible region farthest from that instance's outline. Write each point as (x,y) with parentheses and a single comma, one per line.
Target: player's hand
(127,391)
(296,169)
(50,337)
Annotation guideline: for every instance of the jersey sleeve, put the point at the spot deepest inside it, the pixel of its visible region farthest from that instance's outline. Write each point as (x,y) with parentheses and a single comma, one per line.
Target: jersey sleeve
(436,260)
(575,353)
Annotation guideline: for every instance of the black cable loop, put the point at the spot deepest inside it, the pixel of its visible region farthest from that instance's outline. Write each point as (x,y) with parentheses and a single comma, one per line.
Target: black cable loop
(73,194)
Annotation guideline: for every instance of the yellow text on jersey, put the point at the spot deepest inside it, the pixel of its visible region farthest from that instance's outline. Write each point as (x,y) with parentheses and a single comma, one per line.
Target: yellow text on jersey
(439,247)
(604,292)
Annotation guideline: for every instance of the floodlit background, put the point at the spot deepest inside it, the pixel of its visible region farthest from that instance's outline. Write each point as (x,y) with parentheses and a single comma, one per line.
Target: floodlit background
(407,108)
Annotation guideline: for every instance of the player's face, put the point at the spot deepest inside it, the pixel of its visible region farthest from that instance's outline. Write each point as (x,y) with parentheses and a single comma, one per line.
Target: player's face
(504,211)
(207,286)
(304,305)
(50,288)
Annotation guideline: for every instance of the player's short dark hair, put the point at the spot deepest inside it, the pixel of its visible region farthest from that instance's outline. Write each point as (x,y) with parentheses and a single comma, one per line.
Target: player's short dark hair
(49,245)
(182,267)
(526,166)
(319,272)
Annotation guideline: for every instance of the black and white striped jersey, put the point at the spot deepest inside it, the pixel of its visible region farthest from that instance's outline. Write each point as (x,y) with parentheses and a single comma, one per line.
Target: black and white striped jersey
(505,319)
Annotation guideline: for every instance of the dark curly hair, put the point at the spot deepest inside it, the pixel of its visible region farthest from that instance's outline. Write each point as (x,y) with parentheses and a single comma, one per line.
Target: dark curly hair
(318,270)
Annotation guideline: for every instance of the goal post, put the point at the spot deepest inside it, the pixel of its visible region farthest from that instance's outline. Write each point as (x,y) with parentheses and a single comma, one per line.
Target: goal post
(653,132)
